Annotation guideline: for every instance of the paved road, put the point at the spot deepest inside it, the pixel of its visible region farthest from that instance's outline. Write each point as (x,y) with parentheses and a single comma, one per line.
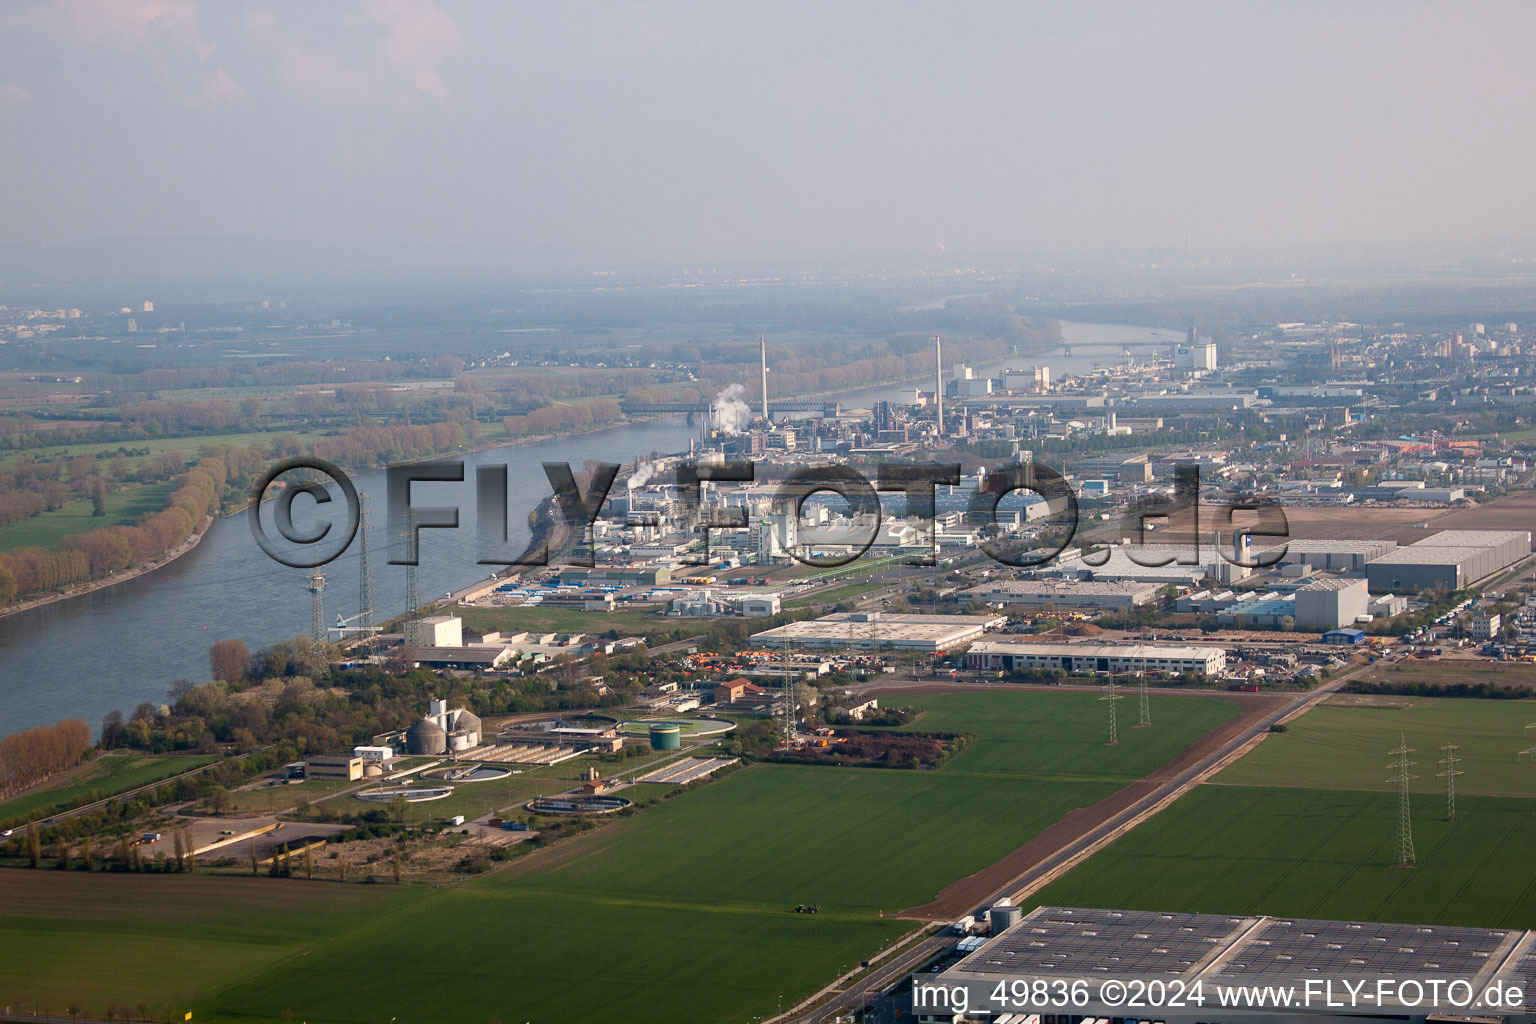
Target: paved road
(123,797)
(865,989)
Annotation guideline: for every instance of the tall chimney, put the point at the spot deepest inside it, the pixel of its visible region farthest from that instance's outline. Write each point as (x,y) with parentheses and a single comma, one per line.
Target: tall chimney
(938,378)
(762,348)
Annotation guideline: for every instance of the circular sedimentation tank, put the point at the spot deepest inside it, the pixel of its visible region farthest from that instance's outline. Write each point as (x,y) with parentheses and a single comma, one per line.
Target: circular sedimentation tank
(414,794)
(467,773)
(666,736)
(573,805)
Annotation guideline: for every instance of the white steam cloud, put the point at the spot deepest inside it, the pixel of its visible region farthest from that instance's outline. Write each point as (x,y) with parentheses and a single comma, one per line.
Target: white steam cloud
(729,414)
(642,475)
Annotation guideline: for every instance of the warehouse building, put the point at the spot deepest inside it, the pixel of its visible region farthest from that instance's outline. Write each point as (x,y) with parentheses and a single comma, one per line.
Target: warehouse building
(1095,595)
(1451,559)
(1270,957)
(1331,603)
(874,631)
(1010,656)
(1330,555)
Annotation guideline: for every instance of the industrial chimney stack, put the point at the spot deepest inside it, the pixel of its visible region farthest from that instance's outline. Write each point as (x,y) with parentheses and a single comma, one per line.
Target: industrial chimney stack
(762,348)
(938,379)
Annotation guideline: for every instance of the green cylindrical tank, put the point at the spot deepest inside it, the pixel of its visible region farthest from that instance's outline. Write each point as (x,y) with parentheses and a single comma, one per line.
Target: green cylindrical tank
(666,737)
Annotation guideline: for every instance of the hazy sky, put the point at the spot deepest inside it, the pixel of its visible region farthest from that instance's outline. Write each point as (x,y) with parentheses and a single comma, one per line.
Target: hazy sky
(502,133)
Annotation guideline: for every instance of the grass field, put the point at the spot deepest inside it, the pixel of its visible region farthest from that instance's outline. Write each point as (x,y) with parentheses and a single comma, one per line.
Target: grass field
(1335,747)
(641,920)
(124,508)
(267,799)
(1317,853)
(159,938)
(846,592)
(110,774)
(190,445)
(486,951)
(1450,672)
(1030,736)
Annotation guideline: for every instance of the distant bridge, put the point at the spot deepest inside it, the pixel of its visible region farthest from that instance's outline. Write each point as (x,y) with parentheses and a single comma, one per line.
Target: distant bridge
(703,408)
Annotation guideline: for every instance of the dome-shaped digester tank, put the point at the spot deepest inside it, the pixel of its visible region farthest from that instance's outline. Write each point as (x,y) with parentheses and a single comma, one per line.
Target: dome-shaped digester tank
(666,737)
(426,737)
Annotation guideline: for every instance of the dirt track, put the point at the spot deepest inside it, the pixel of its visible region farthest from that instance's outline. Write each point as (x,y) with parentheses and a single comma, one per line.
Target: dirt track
(960,898)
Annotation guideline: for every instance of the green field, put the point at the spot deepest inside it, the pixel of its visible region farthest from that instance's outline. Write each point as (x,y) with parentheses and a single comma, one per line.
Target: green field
(157,445)
(109,774)
(1318,853)
(487,950)
(638,920)
(124,508)
(1334,747)
(159,938)
(1032,736)
(846,592)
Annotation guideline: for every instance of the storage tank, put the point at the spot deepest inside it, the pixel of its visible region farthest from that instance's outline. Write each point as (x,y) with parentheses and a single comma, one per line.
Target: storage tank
(426,737)
(666,737)
(1004,915)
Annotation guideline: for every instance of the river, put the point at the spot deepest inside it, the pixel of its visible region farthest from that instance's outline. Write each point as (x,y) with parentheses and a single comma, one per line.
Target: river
(119,646)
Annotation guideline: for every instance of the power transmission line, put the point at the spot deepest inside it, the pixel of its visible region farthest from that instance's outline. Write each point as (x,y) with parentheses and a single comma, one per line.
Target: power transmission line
(1406,858)
(364,577)
(1111,697)
(1449,760)
(1144,718)
(317,607)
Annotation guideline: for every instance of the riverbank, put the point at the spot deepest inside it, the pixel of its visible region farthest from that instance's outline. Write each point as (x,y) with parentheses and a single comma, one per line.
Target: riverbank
(124,576)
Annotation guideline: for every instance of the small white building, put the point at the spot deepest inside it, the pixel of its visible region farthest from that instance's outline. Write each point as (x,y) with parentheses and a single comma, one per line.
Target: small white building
(435,631)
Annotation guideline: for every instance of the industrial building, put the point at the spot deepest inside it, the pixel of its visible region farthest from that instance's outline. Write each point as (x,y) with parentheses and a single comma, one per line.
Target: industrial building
(1451,559)
(873,631)
(480,658)
(340,766)
(1010,656)
(1215,951)
(1331,603)
(1330,555)
(435,631)
(1095,595)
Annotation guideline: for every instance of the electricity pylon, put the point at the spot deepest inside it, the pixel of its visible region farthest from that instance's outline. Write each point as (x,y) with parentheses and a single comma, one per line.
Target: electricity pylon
(1406,858)
(1111,697)
(364,577)
(1144,716)
(1450,760)
(317,607)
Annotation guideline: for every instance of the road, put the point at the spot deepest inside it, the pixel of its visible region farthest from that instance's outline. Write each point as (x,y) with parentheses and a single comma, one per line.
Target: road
(124,797)
(848,1000)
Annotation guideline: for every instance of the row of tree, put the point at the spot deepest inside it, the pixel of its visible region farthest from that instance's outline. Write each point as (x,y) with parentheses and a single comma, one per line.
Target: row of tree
(27,758)
(26,572)
(552,419)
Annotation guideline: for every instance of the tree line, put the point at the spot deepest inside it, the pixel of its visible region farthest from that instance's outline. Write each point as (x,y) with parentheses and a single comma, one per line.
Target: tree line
(27,758)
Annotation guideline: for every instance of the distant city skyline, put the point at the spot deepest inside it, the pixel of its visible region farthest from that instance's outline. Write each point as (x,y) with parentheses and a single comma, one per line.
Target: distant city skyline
(392,136)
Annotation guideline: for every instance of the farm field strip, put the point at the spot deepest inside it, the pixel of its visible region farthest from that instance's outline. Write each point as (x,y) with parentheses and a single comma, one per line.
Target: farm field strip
(1334,747)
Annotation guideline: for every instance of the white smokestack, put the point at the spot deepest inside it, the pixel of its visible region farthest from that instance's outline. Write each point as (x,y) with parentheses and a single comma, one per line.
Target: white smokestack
(762,347)
(938,379)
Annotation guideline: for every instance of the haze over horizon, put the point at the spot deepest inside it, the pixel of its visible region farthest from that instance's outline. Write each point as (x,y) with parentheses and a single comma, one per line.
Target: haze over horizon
(166,136)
